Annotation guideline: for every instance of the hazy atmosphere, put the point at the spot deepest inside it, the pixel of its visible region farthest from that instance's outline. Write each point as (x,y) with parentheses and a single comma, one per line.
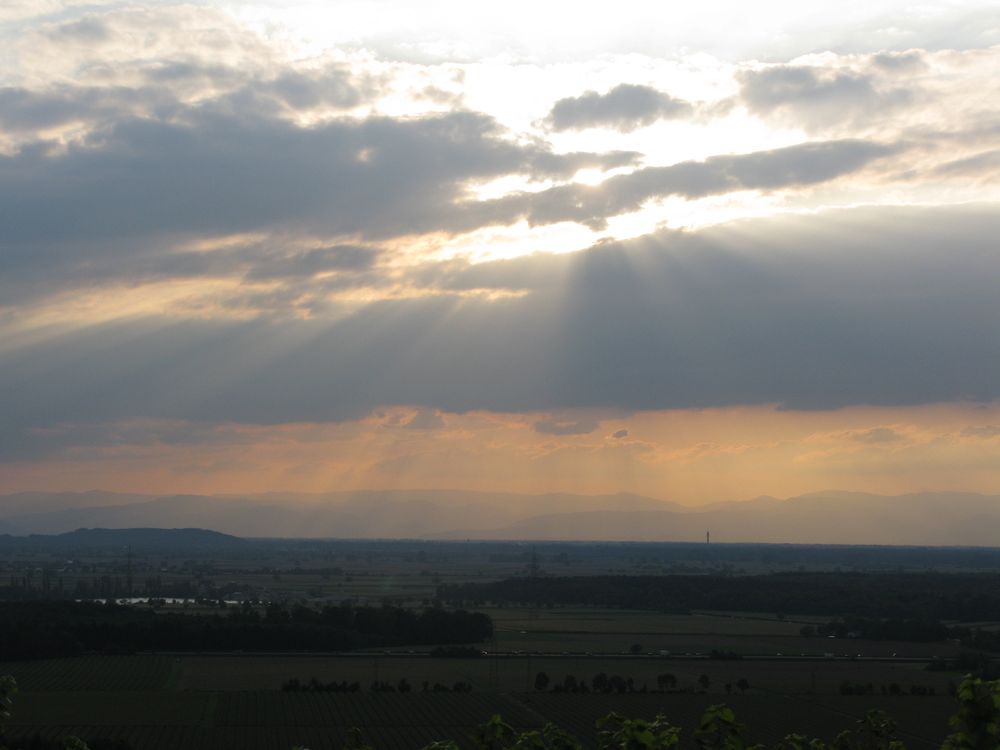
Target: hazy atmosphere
(448,375)
(557,248)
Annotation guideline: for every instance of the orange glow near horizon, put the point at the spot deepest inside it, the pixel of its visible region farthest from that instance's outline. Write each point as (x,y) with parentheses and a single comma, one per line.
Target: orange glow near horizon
(687,456)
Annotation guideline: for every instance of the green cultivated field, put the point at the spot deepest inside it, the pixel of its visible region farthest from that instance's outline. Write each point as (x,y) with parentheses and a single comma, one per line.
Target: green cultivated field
(86,673)
(269,720)
(233,701)
(218,701)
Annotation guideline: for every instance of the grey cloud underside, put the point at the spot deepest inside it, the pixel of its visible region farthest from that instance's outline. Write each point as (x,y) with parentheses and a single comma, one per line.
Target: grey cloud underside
(308,263)
(223,173)
(108,208)
(984,164)
(213,169)
(790,167)
(113,206)
(557,426)
(905,62)
(425,419)
(626,107)
(164,88)
(822,99)
(869,306)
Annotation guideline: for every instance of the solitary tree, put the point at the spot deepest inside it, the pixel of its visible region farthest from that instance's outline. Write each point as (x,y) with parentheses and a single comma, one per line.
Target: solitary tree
(541,681)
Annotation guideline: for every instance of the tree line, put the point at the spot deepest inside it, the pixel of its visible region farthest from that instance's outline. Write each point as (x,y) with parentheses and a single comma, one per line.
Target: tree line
(314,685)
(904,596)
(916,630)
(604,683)
(33,630)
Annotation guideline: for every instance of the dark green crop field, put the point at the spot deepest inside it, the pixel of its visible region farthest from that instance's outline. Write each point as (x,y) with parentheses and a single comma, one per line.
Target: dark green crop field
(269,720)
(158,702)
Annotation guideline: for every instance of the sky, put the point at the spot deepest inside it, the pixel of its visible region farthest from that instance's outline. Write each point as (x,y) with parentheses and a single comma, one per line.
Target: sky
(700,251)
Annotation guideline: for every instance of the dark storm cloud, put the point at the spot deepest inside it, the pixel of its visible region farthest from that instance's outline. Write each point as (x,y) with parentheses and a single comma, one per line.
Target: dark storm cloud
(626,107)
(819,98)
(869,306)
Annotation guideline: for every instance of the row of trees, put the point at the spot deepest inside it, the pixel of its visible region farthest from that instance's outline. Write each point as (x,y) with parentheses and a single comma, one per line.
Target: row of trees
(314,685)
(605,683)
(927,596)
(31,630)
(914,630)
(919,630)
(893,688)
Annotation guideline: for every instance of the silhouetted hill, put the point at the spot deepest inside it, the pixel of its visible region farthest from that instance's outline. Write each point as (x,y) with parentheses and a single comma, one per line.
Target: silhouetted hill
(147,540)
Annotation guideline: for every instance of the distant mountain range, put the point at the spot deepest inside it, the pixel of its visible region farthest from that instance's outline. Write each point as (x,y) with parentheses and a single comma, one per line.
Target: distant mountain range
(817,518)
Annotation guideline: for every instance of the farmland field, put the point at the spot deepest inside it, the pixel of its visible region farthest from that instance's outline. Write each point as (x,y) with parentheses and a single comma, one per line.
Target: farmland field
(269,719)
(85,673)
(774,677)
(233,700)
(616,631)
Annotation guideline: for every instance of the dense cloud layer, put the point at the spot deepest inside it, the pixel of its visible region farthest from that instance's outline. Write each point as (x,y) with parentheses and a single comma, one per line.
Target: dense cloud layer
(112,206)
(859,307)
(254,234)
(216,172)
(105,208)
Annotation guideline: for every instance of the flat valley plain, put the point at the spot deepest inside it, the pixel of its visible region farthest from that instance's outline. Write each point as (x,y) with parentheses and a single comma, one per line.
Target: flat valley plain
(231,700)
(235,700)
